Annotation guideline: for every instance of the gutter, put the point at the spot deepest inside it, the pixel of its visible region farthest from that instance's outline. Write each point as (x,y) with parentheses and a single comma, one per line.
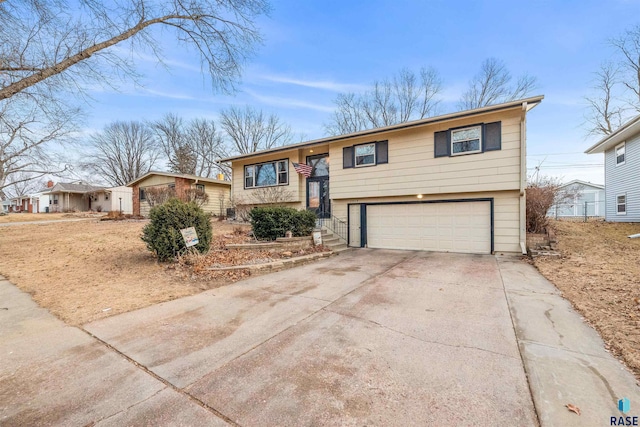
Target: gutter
(523,179)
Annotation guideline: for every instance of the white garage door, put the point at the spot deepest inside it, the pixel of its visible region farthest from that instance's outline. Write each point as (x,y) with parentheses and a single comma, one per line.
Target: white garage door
(446,227)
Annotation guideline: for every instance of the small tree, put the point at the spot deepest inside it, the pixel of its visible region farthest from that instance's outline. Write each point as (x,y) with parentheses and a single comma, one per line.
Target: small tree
(162,234)
(199,197)
(159,195)
(542,193)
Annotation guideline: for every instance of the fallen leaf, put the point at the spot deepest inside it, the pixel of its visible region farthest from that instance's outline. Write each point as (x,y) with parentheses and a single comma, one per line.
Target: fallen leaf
(573,408)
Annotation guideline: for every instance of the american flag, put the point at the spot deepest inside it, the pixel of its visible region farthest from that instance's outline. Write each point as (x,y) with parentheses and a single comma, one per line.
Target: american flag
(303,169)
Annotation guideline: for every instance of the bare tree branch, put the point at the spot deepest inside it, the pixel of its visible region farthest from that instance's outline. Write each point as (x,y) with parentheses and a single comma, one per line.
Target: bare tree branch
(192,147)
(122,152)
(404,97)
(249,130)
(50,42)
(492,85)
(628,46)
(605,112)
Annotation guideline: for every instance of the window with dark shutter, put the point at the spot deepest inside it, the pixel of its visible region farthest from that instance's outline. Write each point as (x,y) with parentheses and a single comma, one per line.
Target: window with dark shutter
(441,146)
(382,152)
(347,157)
(492,136)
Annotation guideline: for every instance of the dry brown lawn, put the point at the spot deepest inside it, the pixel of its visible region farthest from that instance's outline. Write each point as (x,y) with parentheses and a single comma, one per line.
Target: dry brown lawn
(83,271)
(28,217)
(600,274)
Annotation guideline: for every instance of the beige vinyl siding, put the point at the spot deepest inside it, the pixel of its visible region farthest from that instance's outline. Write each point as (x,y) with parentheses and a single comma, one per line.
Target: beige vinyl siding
(506,213)
(296,188)
(152,181)
(413,169)
(218,197)
(214,191)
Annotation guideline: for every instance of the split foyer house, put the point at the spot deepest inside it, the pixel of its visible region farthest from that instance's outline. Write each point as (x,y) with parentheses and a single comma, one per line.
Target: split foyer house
(621,171)
(452,183)
(217,189)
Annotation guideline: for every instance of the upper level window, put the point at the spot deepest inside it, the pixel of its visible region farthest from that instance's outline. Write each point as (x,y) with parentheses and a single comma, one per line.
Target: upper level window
(267,174)
(466,141)
(365,154)
(200,187)
(620,154)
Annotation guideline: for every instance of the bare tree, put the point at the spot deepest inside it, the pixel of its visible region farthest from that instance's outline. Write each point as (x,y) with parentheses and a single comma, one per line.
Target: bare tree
(25,128)
(492,85)
(21,184)
(171,134)
(406,96)
(249,130)
(122,152)
(543,192)
(605,112)
(191,147)
(51,44)
(627,46)
(51,50)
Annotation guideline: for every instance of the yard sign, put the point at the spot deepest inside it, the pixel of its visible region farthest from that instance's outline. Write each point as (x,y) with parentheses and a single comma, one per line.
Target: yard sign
(190,236)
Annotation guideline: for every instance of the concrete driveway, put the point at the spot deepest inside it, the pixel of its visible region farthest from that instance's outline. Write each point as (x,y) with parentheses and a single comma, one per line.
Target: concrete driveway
(371,337)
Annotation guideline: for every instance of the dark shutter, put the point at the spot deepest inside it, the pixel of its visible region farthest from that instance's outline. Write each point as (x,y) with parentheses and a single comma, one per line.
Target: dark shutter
(492,136)
(382,152)
(347,157)
(441,146)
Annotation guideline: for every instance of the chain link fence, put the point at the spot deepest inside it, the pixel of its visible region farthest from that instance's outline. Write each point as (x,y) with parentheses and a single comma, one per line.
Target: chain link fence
(579,210)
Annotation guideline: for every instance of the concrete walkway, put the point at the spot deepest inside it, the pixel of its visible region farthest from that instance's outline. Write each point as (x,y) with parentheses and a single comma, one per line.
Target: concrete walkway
(565,359)
(370,337)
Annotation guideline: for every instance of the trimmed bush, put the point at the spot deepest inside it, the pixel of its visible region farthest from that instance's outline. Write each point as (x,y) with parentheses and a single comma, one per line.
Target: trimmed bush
(303,223)
(162,234)
(273,222)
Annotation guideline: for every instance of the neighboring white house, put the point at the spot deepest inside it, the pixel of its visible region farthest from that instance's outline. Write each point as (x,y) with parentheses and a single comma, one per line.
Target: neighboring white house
(588,196)
(113,199)
(6,204)
(621,171)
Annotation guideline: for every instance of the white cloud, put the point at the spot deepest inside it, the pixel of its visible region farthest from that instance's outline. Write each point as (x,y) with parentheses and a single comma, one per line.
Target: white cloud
(288,102)
(315,84)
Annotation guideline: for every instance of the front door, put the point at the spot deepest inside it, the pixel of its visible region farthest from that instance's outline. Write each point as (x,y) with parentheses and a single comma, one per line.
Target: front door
(318,196)
(318,186)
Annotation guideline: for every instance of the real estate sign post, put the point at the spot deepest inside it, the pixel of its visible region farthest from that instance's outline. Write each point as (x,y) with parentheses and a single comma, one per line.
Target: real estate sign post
(190,236)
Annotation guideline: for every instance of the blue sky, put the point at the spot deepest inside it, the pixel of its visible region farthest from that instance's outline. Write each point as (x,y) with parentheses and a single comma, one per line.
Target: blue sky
(314,50)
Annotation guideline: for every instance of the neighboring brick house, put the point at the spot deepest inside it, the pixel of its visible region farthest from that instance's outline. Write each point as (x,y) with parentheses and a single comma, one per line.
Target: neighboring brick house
(218,190)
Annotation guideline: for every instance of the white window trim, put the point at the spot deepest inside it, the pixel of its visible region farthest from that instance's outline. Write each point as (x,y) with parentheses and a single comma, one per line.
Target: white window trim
(615,153)
(254,176)
(355,156)
(618,204)
(479,150)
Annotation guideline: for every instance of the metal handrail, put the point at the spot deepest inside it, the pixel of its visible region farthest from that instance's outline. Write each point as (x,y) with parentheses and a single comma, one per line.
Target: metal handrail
(336,225)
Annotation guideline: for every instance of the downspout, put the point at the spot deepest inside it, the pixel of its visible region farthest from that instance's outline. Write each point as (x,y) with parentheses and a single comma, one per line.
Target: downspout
(523,179)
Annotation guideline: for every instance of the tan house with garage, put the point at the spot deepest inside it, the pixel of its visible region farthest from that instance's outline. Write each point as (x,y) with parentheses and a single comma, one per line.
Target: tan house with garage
(453,183)
(217,190)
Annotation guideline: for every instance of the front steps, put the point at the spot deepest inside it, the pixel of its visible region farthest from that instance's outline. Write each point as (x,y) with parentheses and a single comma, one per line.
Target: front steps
(333,242)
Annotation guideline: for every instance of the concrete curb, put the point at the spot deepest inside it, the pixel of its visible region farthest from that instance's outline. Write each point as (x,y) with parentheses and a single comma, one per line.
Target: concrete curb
(276,265)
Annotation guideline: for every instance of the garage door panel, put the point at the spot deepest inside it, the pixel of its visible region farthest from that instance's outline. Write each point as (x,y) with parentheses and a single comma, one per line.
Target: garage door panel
(452,226)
